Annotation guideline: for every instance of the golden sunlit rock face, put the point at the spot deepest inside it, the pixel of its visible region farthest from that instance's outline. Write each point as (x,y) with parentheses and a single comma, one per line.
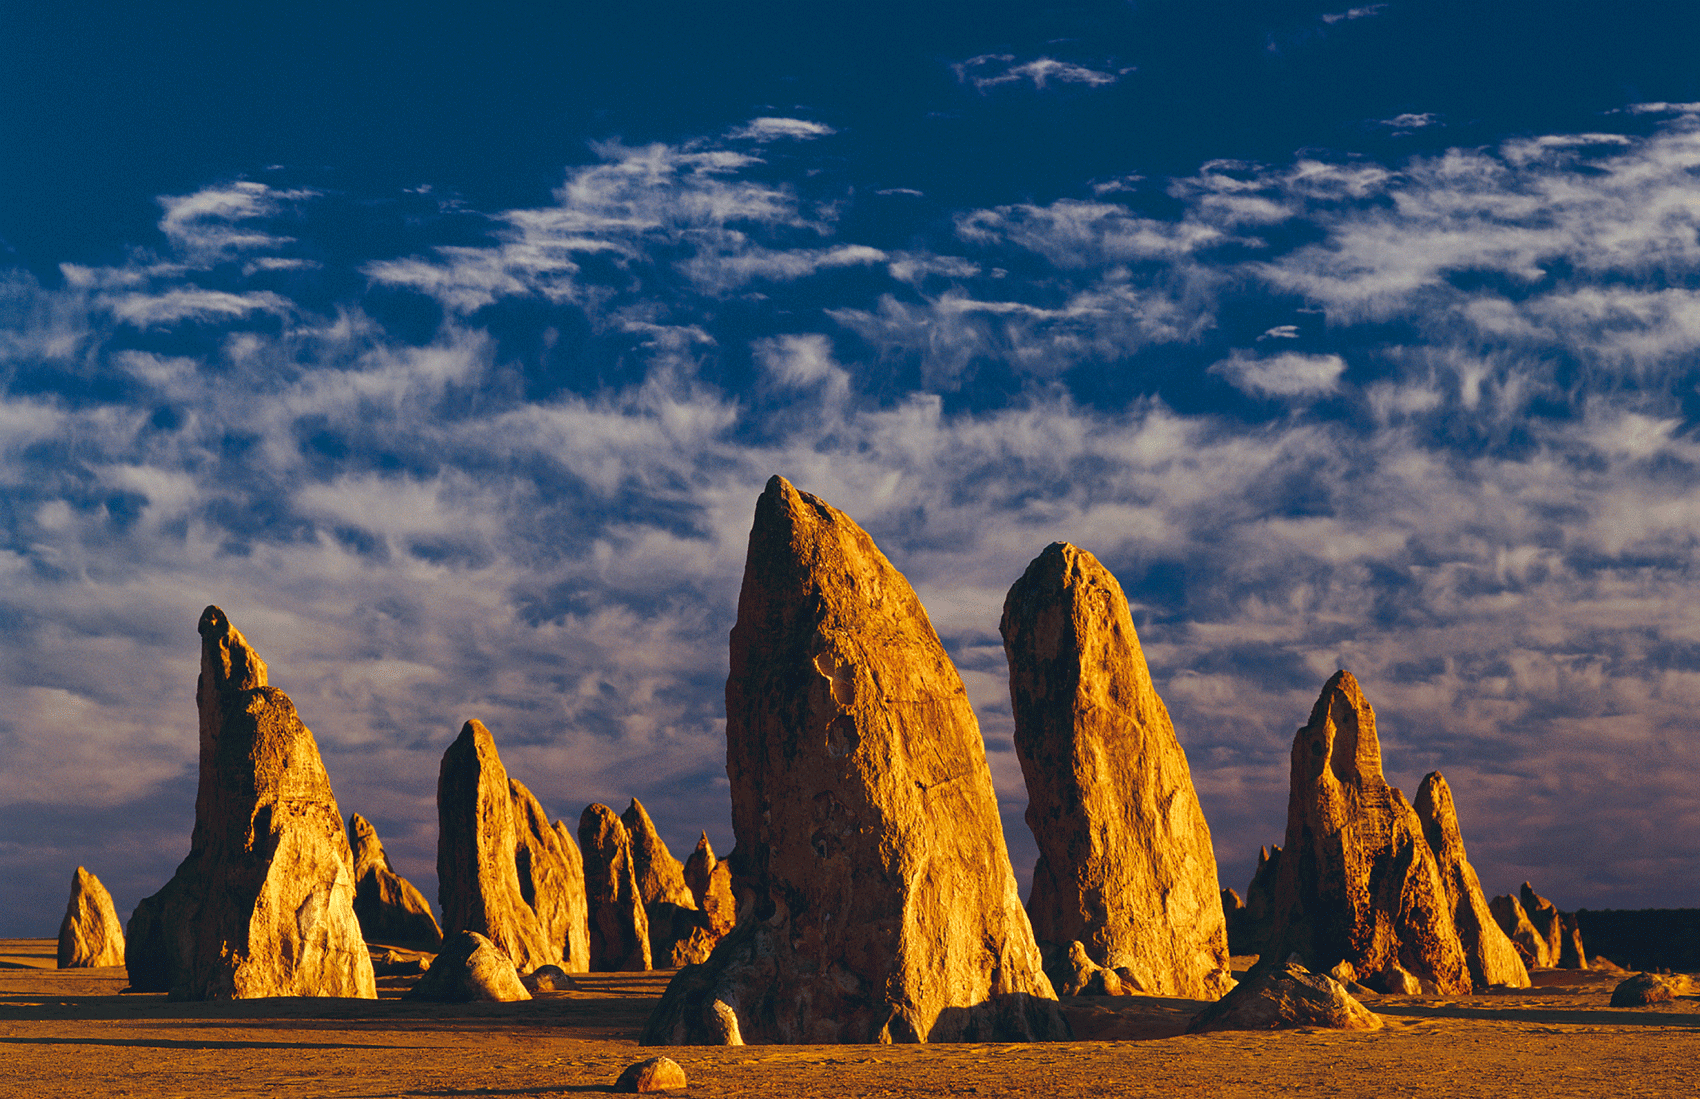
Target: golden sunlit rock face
(478,881)
(90,934)
(1357,881)
(1125,863)
(619,924)
(883,906)
(1488,952)
(551,878)
(264,904)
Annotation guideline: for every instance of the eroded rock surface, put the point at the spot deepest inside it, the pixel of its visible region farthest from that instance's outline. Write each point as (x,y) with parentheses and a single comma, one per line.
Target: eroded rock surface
(677,933)
(1248,931)
(1125,862)
(710,883)
(884,906)
(90,934)
(1530,945)
(478,884)
(389,907)
(264,903)
(1491,957)
(1571,953)
(1549,926)
(1357,880)
(551,878)
(1279,997)
(470,968)
(619,926)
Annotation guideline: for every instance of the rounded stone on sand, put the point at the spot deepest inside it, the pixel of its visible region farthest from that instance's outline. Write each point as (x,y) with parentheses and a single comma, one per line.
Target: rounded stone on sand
(655,1074)
(1641,990)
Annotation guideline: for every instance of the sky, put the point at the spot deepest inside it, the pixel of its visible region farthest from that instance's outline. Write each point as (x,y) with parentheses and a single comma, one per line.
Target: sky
(447,348)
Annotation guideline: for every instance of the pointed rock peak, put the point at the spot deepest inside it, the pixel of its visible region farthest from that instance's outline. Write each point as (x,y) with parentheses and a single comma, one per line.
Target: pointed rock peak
(1340,735)
(226,655)
(368,848)
(1533,901)
(1439,815)
(706,850)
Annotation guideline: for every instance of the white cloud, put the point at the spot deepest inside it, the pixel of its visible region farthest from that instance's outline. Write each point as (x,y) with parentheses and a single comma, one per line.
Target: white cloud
(1349,14)
(993,69)
(774,129)
(1290,374)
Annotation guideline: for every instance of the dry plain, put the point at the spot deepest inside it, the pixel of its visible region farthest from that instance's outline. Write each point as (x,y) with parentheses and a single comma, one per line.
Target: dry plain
(71,1032)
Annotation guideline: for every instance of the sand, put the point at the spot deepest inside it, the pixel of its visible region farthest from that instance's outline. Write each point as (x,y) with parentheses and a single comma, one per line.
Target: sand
(70,1032)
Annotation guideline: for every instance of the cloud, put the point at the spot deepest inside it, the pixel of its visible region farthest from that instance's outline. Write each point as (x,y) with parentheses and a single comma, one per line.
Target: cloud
(1407,123)
(1490,521)
(1290,374)
(775,129)
(1365,12)
(993,69)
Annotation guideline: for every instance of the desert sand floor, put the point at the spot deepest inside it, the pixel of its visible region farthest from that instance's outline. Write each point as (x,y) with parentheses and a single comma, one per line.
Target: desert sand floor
(70,1032)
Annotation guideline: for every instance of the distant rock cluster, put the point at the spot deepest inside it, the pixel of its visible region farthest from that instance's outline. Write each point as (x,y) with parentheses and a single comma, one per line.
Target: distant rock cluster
(869,896)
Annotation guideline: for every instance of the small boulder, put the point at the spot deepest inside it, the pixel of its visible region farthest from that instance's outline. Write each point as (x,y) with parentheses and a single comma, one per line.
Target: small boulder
(548,978)
(90,935)
(1280,997)
(655,1074)
(1641,990)
(470,968)
(1074,973)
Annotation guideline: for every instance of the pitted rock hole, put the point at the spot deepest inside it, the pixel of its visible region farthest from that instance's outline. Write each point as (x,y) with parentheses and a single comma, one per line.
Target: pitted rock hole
(838,674)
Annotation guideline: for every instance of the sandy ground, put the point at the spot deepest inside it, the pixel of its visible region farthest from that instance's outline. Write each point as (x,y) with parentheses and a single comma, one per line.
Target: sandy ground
(70,1032)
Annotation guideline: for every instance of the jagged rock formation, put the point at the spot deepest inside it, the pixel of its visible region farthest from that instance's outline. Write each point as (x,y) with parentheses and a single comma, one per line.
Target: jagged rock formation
(1357,881)
(1544,916)
(1530,945)
(551,878)
(1278,997)
(884,906)
(264,903)
(470,968)
(1490,955)
(1076,974)
(478,884)
(1249,928)
(90,935)
(660,876)
(1125,862)
(710,883)
(388,906)
(677,933)
(619,926)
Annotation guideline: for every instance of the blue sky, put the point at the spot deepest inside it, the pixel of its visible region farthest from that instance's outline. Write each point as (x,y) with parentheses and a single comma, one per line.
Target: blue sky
(447,349)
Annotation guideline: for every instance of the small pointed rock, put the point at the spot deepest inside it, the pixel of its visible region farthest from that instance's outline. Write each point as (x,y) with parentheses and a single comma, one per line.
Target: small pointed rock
(478,882)
(1125,861)
(90,935)
(1492,959)
(576,954)
(883,905)
(1547,922)
(1357,880)
(264,903)
(389,907)
(1531,945)
(619,926)
(660,876)
(710,883)
(1571,954)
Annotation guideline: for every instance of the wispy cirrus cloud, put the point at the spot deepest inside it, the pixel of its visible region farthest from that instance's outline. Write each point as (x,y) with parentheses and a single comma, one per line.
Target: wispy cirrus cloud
(991,70)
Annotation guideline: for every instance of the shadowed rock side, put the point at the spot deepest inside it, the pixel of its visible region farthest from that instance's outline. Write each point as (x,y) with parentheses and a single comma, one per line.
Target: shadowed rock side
(884,907)
(1531,947)
(619,927)
(477,878)
(1487,951)
(551,879)
(90,935)
(388,906)
(1125,863)
(1357,880)
(677,934)
(1560,935)
(1571,954)
(1248,930)
(264,903)
(578,931)
(710,882)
